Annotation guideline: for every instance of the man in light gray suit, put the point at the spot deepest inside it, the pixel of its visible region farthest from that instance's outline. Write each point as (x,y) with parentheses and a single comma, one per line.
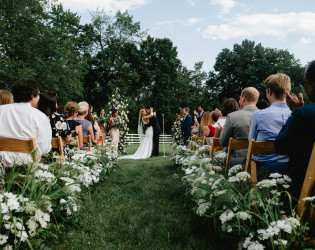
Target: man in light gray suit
(237,123)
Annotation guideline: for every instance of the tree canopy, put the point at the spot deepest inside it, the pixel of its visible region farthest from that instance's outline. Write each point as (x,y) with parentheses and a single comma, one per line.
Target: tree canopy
(41,40)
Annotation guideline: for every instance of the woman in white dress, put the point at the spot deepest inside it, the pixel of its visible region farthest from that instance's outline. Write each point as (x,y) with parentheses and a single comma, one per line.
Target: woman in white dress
(146,140)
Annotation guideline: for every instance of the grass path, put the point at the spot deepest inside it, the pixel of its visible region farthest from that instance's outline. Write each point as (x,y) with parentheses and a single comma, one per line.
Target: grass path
(140,206)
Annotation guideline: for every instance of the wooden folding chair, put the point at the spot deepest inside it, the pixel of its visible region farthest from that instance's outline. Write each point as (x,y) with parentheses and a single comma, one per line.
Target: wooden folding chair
(21,146)
(87,139)
(193,139)
(56,143)
(254,148)
(216,146)
(308,183)
(234,145)
(76,139)
(199,141)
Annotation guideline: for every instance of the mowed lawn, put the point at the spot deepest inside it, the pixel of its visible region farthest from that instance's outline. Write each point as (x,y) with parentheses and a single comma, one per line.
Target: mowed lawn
(141,205)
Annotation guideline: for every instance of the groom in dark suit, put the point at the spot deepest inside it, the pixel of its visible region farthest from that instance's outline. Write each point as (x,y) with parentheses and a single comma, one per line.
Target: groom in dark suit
(153,121)
(186,126)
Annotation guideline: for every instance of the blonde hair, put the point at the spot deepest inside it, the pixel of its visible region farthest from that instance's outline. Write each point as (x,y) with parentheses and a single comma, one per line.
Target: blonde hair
(278,84)
(215,115)
(6,97)
(251,94)
(83,107)
(205,121)
(70,109)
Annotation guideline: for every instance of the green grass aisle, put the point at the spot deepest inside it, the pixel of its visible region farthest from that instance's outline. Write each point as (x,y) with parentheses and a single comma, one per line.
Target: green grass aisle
(140,206)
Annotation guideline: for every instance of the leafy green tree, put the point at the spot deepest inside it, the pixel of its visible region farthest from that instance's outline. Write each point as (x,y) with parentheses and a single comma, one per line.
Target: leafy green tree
(249,64)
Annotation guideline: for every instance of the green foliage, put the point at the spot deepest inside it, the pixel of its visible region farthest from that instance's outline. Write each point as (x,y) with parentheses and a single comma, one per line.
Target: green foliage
(249,64)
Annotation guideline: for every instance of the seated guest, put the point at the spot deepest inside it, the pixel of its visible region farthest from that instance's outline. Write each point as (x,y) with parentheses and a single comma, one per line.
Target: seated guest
(59,125)
(21,120)
(229,105)
(237,123)
(205,122)
(71,111)
(266,124)
(297,136)
(6,97)
(262,104)
(86,125)
(209,130)
(186,125)
(95,127)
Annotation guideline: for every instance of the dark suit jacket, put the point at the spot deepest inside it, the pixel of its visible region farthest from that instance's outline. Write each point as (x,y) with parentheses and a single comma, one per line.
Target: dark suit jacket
(186,126)
(296,139)
(153,121)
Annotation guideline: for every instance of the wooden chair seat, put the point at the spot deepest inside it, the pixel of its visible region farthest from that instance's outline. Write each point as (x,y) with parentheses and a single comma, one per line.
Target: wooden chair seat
(234,145)
(21,146)
(76,139)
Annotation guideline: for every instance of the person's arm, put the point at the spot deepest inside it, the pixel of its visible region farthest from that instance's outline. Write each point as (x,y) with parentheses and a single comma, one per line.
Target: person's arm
(90,131)
(43,136)
(206,131)
(227,132)
(98,130)
(218,131)
(253,124)
(78,130)
(148,116)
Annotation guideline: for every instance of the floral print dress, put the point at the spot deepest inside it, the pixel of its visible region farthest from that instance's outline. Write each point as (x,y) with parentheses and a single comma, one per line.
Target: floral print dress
(59,125)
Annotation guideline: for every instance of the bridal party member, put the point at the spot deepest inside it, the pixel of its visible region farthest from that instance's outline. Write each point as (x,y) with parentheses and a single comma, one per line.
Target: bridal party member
(102,123)
(6,97)
(86,125)
(71,111)
(113,129)
(59,125)
(23,116)
(186,126)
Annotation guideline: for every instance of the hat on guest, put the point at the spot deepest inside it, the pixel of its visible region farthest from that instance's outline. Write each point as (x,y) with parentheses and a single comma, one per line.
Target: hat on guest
(83,107)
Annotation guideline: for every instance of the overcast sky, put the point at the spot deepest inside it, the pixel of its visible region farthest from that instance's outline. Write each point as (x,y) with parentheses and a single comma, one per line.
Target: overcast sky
(200,29)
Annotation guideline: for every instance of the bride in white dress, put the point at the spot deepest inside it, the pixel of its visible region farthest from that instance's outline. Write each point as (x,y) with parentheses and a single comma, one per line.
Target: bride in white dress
(146,140)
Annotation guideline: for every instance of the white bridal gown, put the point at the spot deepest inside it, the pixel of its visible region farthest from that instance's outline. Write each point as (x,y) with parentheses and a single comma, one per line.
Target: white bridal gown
(145,148)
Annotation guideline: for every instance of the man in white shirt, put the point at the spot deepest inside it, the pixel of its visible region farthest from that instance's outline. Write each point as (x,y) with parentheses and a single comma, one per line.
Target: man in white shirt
(21,120)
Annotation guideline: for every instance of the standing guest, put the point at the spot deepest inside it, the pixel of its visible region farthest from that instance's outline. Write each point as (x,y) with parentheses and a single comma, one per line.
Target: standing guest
(21,120)
(102,123)
(200,113)
(59,125)
(91,109)
(297,136)
(186,126)
(209,130)
(113,128)
(266,124)
(237,124)
(71,111)
(86,125)
(6,97)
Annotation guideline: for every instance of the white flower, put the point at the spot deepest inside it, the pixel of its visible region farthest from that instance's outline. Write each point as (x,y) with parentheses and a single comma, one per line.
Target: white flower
(226,216)
(275,175)
(235,169)
(8,247)
(267,183)
(244,216)
(243,176)
(309,199)
(3,239)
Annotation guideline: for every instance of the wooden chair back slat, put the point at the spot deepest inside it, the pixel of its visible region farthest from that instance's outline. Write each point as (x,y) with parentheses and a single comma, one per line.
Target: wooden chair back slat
(16,145)
(234,145)
(57,144)
(308,183)
(87,139)
(257,147)
(216,146)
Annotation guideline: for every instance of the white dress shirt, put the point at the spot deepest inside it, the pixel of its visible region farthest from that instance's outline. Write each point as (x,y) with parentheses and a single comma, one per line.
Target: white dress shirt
(22,121)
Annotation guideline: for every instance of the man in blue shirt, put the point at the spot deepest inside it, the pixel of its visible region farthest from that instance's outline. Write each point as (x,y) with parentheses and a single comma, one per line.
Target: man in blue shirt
(265,124)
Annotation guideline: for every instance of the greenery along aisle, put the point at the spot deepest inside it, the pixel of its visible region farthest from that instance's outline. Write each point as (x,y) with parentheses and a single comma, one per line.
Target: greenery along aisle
(142,205)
